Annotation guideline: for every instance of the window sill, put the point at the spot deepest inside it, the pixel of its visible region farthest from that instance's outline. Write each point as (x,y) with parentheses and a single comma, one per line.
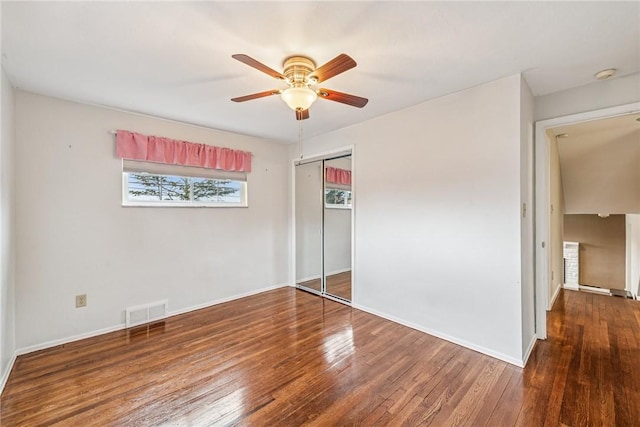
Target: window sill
(180,205)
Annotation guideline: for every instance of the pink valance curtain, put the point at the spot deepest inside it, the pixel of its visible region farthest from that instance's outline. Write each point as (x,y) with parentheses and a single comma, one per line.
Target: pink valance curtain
(338,176)
(135,146)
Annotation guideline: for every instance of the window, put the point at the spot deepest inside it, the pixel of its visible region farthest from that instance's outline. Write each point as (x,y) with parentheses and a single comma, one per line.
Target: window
(337,198)
(154,184)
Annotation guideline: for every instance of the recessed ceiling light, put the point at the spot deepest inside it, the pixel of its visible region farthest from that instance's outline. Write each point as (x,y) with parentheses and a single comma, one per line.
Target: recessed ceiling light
(605,74)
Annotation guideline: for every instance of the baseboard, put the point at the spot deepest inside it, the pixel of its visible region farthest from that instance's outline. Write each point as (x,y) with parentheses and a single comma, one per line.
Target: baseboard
(595,289)
(554,297)
(67,340)
(454,340)
(61,341)
(223,300)
(532,344)
(5,376)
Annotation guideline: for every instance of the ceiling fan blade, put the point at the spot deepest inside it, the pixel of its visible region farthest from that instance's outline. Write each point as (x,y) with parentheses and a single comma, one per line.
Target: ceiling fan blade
(337,65)
(345,98)
(302,115)
(246,59)
(256,95)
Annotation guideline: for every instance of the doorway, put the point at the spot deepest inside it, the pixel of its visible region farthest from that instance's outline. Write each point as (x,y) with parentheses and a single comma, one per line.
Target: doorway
(545,207)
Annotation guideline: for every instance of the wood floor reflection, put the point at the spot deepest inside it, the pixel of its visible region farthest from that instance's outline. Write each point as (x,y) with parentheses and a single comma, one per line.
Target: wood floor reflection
(289,358)
(339,285)
(315,284)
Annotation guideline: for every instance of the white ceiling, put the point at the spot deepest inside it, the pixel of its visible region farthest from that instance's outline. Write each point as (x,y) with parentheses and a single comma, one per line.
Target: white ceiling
(173,59)
(600,165)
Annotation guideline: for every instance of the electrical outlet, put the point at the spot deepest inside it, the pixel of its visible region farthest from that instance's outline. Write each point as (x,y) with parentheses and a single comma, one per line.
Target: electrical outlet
(81,300)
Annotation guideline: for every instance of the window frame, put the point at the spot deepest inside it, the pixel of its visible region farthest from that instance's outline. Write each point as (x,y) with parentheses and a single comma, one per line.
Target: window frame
(130,167)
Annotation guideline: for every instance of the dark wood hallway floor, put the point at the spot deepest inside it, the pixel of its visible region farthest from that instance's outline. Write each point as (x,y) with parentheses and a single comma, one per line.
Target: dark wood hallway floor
(288,358)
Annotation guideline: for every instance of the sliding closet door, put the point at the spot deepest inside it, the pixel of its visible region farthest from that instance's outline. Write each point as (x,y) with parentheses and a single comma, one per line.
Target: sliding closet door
(308,217)
(337,227)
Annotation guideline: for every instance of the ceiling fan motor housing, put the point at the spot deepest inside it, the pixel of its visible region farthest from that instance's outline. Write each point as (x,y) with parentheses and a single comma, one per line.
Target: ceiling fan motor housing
(297,70)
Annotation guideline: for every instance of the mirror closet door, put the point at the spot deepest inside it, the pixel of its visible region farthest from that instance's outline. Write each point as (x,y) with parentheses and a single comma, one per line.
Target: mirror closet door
(308,216)
(337,227)
(323,215)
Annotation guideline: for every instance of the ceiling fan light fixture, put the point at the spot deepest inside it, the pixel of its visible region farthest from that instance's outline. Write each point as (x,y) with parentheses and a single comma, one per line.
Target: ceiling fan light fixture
(299,98)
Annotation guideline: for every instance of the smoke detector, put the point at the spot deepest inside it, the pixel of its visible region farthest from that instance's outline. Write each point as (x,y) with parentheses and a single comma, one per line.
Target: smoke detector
(605,74)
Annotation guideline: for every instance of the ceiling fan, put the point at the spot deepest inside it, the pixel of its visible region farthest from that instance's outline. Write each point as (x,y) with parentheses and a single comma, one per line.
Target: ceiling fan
(301,74)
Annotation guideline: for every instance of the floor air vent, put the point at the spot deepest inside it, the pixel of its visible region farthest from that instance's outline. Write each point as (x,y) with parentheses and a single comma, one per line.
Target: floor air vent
(142,314)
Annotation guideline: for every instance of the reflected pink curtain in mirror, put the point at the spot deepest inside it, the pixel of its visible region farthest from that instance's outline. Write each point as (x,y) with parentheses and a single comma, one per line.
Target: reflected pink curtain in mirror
(338,176)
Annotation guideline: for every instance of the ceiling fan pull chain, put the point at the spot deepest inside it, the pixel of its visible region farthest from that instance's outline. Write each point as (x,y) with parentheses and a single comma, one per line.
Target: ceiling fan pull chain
(300,137)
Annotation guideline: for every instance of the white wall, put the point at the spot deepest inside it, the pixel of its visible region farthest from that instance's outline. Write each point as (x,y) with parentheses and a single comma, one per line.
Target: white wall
(74,237)
(526,229)
(7,238)
(633,253)
(594,96)
(438,186)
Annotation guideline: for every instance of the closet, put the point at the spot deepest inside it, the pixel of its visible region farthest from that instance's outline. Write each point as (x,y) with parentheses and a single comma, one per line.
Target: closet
(323,226)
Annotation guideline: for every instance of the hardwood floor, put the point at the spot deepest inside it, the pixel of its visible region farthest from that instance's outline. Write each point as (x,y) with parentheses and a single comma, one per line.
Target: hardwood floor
(288,358)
